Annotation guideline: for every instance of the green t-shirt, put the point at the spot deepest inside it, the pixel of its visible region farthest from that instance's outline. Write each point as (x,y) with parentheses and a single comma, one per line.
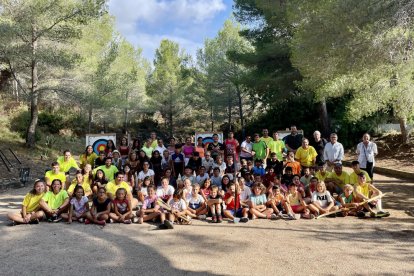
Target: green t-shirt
(109,172)
(55,201)
(260,149)
(278,147)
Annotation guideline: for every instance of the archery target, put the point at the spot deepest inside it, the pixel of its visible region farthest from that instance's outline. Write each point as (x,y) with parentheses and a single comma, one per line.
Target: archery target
(99,145)
(98,141)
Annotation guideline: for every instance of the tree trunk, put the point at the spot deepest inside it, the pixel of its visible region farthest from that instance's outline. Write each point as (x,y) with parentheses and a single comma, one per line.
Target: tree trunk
(90,113)
(229,109)
(125,120)
(171,114)
(211,116)
(405,135)
(239,96)
(34,97)
(323,116)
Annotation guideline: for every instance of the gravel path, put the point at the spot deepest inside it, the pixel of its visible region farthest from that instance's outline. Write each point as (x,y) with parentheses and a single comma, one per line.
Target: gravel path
(325,246)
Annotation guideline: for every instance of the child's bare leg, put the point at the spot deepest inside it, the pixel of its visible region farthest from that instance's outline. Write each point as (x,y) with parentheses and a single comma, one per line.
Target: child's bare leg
(150,216)
(16,217)
(65,216)
(228,214)
(201,211)
(313,209)
(103,217)
(275,209)
(257,213)
(114,216)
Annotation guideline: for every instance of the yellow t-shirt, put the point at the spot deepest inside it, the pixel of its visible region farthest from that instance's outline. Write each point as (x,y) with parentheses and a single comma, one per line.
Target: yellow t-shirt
(87,159)
(51,176)
(65,166)
(306,156)
(154,144)
(363,189)
(111,187)
(86,187)
(322,177)
(344,177)
(353,177)
(31,202)
(266,140)
(55,201)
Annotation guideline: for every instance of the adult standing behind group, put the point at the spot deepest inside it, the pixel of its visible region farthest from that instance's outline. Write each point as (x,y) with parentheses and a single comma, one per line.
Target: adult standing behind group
(294,140)
(318,143)
(367,151)
(231,144)
(333,152)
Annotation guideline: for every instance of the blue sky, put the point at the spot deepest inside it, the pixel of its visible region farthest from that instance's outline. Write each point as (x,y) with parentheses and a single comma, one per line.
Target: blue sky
(145,23)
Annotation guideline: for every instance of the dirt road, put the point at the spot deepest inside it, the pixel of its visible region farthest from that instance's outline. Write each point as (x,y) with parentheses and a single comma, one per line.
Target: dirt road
(325,246)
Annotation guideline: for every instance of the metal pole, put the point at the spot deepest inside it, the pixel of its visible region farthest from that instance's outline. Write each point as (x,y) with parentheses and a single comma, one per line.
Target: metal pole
(5,157)
(15,156)
(4,162)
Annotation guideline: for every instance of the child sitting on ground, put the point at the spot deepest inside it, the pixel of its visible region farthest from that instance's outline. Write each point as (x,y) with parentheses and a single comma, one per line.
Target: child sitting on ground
(365,191)
(322,201)
(298,205)
(258,201)
(277,201)
(122,208)
(79,207)
(151,210)
(197,204)
(233,192)
(30,212)
(166,191)
(347,200)
(214,203)
(178,207)
(205,189)
(101,207)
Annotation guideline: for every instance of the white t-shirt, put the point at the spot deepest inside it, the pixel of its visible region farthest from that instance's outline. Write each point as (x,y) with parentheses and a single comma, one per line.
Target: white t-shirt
(177,205)
(142,174)
(198,200)
(208,163)
(163,193)
(245,194)
(222,167)
(160,149)
(201,178)
(322,198)
(248,147)
(79,206)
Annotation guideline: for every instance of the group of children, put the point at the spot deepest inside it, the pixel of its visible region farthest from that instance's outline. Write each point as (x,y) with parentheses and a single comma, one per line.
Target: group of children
(236,191)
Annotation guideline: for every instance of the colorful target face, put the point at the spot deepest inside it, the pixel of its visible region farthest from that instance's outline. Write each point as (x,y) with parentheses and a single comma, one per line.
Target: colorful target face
(99,145)
(207,140)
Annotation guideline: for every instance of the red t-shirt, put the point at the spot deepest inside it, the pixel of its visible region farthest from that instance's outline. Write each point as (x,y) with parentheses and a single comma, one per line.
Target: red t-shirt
(230,205)
(231,147)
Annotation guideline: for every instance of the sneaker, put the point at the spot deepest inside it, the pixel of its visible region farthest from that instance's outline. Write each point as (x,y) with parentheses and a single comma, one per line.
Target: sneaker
(13,223)
(81,220)
(111,221)
(135,219)
(331,216)
(244,220)
(214,219)
(56,219)
(36,221)
(219,219)
(312,216)
(274,217)
(87,221)
(168,224)
(127,221)
(50,219)
(162,227)
(291,217)
(360,214)
(202,217)
(382,214)
(100,222)
(373,215)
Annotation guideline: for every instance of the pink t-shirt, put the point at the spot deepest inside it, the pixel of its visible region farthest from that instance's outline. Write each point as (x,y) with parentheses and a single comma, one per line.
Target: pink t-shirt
(188,151)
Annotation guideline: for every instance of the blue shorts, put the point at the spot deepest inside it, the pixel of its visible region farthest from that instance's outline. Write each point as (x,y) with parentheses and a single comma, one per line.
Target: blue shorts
(239,212)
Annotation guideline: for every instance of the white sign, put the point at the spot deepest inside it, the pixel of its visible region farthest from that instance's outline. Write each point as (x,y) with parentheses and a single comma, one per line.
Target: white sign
(99,141)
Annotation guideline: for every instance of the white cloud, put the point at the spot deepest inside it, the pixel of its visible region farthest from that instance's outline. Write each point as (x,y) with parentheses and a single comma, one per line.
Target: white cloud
(153,11)
(178,16)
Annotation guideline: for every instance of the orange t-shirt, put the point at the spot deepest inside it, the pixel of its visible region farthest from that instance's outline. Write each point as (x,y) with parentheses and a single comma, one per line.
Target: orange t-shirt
(295,167)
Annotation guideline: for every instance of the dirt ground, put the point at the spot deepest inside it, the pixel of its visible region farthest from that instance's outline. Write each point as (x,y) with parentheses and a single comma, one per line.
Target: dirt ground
(326,246)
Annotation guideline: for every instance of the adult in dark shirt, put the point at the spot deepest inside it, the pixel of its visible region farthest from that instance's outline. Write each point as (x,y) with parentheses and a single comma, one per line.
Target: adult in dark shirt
(195,161)
(319,144)
(294,140)
(216,148)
